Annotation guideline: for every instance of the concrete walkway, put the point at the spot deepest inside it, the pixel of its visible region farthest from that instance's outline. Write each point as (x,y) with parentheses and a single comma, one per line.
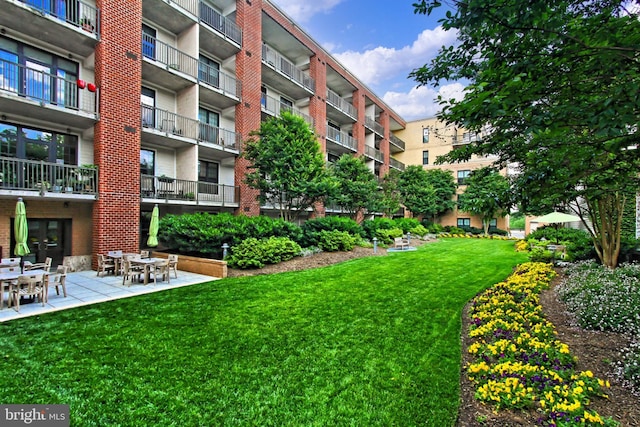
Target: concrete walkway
(85,287)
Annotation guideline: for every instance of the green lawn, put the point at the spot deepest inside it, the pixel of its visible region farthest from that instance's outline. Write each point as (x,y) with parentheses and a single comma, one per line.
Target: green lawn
(370,342)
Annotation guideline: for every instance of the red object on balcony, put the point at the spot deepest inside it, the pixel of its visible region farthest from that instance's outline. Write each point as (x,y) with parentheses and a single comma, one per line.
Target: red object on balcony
(91,87)
(81,83)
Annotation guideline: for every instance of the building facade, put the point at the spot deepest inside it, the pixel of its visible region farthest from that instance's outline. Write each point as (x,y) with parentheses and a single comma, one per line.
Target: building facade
(426,140)
(108,107)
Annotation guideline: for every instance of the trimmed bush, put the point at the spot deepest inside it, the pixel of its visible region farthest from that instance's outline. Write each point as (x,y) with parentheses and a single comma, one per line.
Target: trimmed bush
(255,253)
(385,236)
(419,230)
(406,224)
(371,226)
(312,228)
(333,241)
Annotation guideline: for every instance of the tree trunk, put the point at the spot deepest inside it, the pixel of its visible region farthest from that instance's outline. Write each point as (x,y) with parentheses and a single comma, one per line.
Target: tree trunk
(606,218)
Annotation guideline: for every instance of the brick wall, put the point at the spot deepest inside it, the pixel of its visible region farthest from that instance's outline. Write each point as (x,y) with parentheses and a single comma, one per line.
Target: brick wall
(116,213)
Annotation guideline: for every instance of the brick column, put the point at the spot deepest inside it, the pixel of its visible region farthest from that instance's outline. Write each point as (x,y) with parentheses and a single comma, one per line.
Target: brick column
(318,102)
(384,144)
(248,112)
(118,73)
(358,127)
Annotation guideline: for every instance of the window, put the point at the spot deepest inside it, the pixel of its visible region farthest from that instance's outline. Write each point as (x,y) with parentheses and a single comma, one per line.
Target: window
(425,135)
(37,144)
(285,105)
(208,177)
(148,101)
(263,96)
(209,122)
(332,158)
(425,157)
(209,71)
(462,176)
(470,137)
(147,162)
(148,41)
(493,224)
(464,223)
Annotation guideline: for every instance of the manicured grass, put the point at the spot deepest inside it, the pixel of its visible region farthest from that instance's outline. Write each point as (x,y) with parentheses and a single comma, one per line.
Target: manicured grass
(370,342)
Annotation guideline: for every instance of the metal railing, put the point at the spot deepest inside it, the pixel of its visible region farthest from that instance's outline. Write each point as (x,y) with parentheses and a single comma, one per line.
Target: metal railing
(40,176)
(46,88)
(169,56)
(218,136)
(396,164)
(341,104)
(374,126)
(77,13)
(174,189)
(397,142)
(219,79)
(342,138)
(190,6)
(287,68)
(215,20)
(275,107)
(373,153)
(171,123)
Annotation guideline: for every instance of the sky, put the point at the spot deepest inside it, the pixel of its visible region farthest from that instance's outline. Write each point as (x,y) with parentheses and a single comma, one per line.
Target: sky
(380,42)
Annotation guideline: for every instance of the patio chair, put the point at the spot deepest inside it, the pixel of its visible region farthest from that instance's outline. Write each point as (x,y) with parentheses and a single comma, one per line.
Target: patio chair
(129,272)
(6,284)
(33,285)
(46,265)
(59,280)
(105,265)
(400,243)
(145,254)
(10,262)
(173,264)
(161,270)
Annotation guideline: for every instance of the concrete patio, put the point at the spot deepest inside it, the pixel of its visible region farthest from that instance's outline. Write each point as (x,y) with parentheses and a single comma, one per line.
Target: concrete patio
(85,287)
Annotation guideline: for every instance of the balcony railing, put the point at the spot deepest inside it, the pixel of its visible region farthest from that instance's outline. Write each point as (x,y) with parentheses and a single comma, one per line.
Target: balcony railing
(169,56)
(341,104)
(190,6)
(219,136)
(373,153)
(76,13)
(46,88)
(219,79)
(287,68)
(275,107)
(396,164)
(168,122)
(342,138)
(223,25)
(374,126)
(44,177)
(174,189)
(397,142)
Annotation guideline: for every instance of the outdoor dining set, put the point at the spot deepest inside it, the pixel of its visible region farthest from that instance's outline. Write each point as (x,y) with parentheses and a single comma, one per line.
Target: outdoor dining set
(137,266)
(29,280)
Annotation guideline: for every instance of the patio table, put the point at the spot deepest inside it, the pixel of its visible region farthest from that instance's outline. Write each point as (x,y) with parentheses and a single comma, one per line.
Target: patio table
(147,263)
(12,276)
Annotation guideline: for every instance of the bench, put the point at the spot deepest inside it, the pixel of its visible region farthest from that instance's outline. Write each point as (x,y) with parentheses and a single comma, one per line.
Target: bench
(400,243)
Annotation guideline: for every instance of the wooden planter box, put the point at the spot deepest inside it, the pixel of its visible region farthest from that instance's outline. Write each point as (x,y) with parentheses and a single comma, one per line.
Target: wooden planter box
(206,266)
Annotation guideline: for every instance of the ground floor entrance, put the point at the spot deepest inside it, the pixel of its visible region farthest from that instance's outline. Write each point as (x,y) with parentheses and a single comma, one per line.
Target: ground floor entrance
(48,237)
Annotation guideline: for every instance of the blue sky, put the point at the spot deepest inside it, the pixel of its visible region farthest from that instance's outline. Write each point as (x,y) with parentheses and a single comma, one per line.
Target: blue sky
(380,42)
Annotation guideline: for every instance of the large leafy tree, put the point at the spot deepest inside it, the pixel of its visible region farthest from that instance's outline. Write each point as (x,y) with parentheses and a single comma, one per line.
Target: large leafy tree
(287,165)
(554,86)
(391,199)
(487,195)
(356,188)
(426,193)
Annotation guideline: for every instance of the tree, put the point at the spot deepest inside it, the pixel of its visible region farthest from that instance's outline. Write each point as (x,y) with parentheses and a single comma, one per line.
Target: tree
(390,202)
(426,193)
(554,86)
(287,165)
(356,188)
(487,195)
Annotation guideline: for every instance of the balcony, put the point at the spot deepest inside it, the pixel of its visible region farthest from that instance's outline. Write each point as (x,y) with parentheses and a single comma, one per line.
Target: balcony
(374,126)
(19,177)
(218,143)
(467,138)
(396,145)
(158,189)
(373,154)
(284,76)
(396,164)
(167,66)
(274,107)
(72,26)
(218,35)
(167,128)
(218,88)
(340,142)
(34,93)
(340,105)
(175,15)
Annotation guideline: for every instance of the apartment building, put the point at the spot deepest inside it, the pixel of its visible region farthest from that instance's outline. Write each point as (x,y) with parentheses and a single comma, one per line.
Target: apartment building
(108,107)
(426,140)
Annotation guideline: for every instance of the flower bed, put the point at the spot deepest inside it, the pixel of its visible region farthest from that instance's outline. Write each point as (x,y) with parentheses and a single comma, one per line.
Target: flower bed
(517,361)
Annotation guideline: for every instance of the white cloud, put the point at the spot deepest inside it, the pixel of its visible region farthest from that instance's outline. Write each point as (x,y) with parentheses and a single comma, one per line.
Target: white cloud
(381,63)
(302,11)
(420,102)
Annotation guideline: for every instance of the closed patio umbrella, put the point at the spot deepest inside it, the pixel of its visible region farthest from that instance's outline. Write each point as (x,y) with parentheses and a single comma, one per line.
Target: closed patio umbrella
(557,218)
(152,241)
(21,231)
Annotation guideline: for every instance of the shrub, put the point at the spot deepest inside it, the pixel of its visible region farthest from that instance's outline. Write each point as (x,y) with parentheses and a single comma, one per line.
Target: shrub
(386,235)
(406,224)
(254,253)
(419,230)
(371,226)
(333,241)
(578,242)
(454,230)
(312,228)
(540,255)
